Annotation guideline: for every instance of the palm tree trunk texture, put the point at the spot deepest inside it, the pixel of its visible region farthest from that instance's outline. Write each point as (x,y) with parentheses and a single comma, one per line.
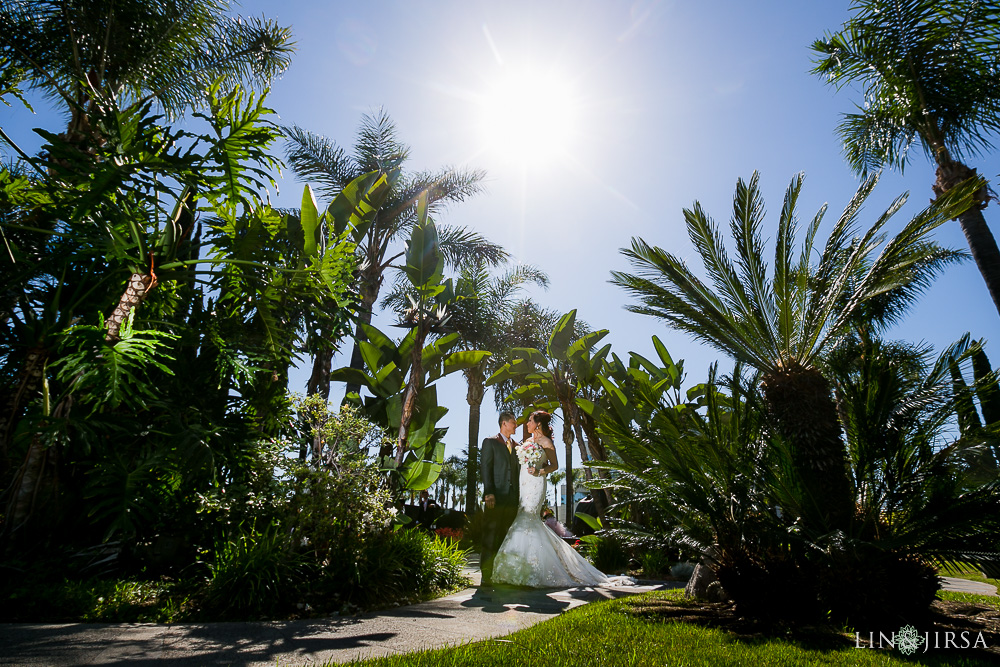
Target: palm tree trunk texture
(982,243)
(27,485)
(28,384)
(802,405)
(568,441)
(598,496)
(474,396)
(38,476)
(138,288)
(596,448)
(319,380)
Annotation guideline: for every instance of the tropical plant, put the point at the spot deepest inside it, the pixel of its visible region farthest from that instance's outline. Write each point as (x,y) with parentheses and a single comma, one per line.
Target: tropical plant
(927,70)
(169,51)
(483,320)
(377,149)
(782,324)
(709,474)
(400,376)
(553,379)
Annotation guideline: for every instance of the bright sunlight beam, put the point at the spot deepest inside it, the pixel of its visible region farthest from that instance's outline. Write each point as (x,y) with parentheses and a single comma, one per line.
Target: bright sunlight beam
(531,117)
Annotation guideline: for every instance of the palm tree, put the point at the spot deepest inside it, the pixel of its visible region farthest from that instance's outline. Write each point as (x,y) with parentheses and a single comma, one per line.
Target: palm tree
(781,325)
(484,322)
(136,51)
(929,73)
(377,149)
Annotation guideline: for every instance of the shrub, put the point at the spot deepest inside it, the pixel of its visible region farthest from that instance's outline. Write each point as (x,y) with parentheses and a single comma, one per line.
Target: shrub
(254,574)
(607,553)
(654,563)
(407,562)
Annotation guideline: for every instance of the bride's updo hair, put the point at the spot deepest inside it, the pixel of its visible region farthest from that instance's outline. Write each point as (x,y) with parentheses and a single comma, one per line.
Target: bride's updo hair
(542,419)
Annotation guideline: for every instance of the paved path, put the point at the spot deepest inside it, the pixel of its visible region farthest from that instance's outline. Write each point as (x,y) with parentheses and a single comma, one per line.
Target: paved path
(966,586)
(470,615)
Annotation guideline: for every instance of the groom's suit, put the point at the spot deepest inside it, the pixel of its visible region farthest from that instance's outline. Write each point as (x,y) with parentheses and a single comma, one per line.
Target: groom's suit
(499,468)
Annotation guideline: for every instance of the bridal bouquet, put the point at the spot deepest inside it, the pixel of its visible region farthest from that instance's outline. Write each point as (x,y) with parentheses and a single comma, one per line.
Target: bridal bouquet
(529,453)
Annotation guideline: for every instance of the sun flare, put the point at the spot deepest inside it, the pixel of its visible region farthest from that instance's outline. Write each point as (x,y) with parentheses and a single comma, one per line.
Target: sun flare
(531,117)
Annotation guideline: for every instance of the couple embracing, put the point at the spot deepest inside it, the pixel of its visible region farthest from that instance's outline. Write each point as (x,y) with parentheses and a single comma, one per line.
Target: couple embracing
(518,549)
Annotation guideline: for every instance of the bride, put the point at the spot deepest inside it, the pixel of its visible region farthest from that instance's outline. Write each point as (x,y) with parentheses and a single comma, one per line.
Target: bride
(531,554)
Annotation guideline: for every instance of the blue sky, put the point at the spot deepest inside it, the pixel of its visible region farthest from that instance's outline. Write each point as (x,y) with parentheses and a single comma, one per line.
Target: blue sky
(664,103)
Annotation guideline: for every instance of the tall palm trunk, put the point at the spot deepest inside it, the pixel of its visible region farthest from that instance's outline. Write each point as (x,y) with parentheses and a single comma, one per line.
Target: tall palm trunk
(568,441)
(319,379)
(982,243)
(801,403)
(36,483)
(28,385)
(139,286)
(476,379)
(598,496)
(597,452)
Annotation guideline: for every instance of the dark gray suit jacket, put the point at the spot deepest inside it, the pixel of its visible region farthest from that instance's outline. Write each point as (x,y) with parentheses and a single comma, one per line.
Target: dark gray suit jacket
(499,469)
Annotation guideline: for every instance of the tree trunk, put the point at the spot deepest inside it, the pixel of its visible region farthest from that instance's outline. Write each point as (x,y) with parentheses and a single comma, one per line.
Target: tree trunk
(138,288)
(598,495)
(27,387)
(319,380)
(568,441)
(37,477)
(982,243)
(597,453)
(801,402)
(475,378)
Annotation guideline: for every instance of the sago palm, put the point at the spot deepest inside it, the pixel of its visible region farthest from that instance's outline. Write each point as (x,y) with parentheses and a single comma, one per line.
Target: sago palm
(781,322)
(928,69)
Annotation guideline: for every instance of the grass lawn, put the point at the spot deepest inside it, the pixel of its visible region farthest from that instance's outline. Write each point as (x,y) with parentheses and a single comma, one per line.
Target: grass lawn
(644,630)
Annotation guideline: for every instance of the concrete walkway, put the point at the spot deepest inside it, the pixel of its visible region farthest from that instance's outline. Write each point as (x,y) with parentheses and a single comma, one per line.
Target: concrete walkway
(966,586)
(470,615)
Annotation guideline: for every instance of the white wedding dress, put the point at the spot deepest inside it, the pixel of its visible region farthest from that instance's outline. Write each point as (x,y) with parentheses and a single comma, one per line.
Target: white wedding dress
(532,555)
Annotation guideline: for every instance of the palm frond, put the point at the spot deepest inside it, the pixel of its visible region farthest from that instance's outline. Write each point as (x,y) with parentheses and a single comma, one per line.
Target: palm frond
(313,157)
(459,245)
(377,147)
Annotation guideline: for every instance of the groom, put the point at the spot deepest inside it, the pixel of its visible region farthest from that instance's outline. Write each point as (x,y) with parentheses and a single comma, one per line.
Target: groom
(499,468)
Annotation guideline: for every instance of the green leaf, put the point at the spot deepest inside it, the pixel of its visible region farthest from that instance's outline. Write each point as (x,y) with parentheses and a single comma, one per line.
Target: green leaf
(592,521)
(309,217)
(562,335)
(419,475)
(583,345)
(424,261)
(351,375)
(459,361)
(530,355)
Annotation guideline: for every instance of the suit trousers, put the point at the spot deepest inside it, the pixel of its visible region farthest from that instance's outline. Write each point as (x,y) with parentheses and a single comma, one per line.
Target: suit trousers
(496,522)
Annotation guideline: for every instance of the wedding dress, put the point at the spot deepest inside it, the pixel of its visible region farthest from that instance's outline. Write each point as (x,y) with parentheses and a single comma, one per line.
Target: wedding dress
(532,555)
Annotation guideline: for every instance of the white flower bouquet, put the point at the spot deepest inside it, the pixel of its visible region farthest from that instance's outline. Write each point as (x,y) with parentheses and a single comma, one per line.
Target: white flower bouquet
(529,453)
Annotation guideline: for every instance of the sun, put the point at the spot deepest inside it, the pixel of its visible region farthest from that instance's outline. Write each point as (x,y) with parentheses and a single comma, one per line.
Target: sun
(531,117)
